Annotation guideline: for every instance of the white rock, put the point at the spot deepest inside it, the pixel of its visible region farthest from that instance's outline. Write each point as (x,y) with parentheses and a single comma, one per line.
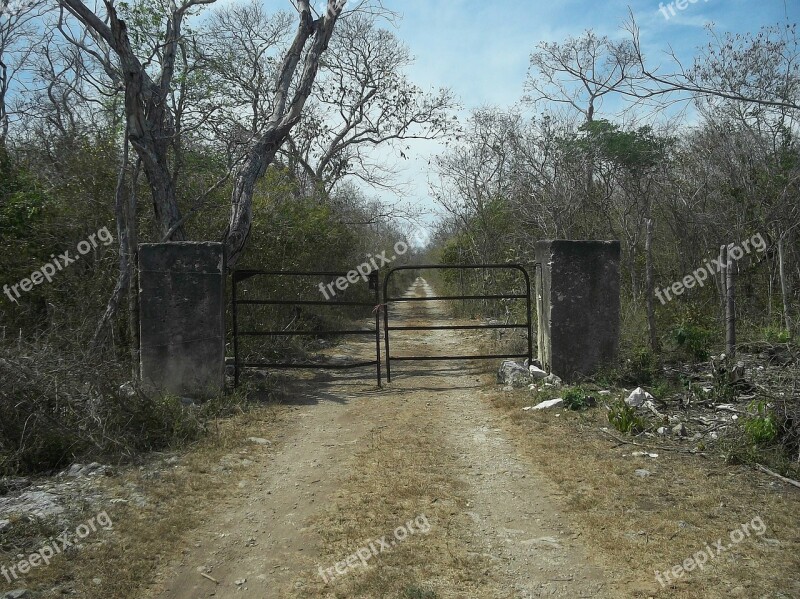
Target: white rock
(513,374)
(75,470)
(38,503)
(553,380)
(536,372)
(550,403)
(638,397)
(641,472)
(259,441)
(642,454)
(126,391)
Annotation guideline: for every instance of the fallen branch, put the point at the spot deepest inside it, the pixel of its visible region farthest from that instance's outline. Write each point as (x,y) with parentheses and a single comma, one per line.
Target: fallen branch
(776,475)
(651,406)
(214,580)
(727,408)
(661,447)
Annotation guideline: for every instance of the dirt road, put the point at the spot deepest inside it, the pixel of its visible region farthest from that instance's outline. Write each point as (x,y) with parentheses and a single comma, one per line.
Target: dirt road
(358,462)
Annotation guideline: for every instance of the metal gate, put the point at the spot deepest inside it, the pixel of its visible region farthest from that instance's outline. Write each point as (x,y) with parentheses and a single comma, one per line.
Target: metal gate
(388,300)
(241,275)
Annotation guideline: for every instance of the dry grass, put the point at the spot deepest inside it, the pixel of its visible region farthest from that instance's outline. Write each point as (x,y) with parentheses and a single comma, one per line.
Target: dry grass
(635,526)
(402,474)
(122,564)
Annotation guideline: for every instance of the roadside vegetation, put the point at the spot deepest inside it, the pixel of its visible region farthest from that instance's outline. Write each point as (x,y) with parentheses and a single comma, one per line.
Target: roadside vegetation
(282,184)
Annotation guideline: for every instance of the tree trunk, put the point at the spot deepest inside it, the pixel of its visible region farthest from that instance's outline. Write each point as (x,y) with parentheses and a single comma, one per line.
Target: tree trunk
(722,284)
(123,279)
(285,116)
(244,185)
(785,294)
(650,291)
(3,113)
(590,161)
(127,233)
(730,305)
(165,203)
(133,287)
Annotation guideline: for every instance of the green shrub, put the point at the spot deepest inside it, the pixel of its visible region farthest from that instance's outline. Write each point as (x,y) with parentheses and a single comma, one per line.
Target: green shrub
(607,377)
(640,369)
(662,389)
(728,379)
(761,427)
(625,419)
(776,335)
(693,341)
(577,399)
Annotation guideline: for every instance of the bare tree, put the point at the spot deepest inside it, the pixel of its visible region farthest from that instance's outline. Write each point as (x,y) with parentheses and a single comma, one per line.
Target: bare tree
(475,178)
(310,42)
(242,44)
(362,100)
(579,73)
(150,123)
(762,69)
(18,39)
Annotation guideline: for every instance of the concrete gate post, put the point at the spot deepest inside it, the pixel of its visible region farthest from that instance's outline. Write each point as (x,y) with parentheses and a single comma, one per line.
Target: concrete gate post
(182,318)
(578,305)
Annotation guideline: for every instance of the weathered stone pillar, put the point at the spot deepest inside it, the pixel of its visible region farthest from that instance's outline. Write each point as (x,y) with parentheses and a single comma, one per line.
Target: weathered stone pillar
(578,303)
(182,318)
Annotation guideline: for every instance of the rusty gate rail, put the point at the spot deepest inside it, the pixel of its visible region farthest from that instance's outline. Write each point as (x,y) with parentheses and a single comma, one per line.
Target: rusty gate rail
(388,300)
(242,275)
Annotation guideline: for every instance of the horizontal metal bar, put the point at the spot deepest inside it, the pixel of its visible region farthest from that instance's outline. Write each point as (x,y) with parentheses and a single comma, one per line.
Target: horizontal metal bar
(460,266)
(309,366)
(454,297)
(461,327)
(301,333)
(435,358)
(239,302)
(239,274)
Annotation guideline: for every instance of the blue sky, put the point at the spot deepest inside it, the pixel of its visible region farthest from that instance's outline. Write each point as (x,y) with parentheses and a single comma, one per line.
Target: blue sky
(481,50)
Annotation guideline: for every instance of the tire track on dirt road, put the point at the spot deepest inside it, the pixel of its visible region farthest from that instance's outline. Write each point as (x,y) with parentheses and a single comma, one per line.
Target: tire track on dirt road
(490,509)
